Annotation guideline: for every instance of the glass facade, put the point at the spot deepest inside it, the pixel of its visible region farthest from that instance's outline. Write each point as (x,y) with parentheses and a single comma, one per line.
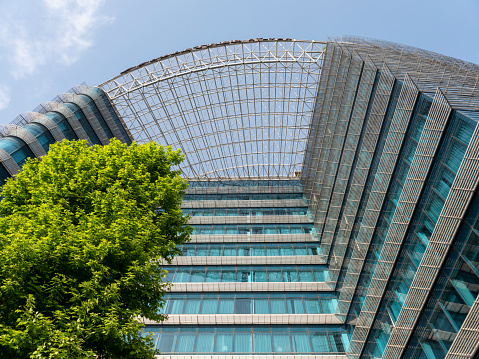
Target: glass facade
(250,249)
(250,303)
(242,339)
(291,338)
(336,215)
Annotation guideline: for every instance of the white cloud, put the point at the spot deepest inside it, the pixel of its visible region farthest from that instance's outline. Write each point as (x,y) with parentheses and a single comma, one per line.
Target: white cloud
(4,96)
(59,33)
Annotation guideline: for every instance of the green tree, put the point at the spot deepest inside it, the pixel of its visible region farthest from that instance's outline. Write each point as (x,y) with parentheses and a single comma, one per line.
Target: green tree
(81,235)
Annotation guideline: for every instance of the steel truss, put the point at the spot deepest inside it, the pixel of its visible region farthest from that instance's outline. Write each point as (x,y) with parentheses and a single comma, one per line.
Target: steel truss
(235,109)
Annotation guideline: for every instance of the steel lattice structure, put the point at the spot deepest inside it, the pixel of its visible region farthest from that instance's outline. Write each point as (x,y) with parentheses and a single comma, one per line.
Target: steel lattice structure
(236,109)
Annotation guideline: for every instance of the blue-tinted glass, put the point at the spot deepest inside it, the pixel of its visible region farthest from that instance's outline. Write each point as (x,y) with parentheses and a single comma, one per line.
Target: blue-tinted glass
(63,125)
(295,306)
(243,343)
(167,342)
(185,343)
(281,343)
(84,122)
(262,343)
(226,306)
(43,136)
(300,342)
(224,343)
(312,306)
(204,343)
(454,155)
(464,129)
(261,306)
(243,306)
(278,306)
(98,116)
(320,343)
(192,306)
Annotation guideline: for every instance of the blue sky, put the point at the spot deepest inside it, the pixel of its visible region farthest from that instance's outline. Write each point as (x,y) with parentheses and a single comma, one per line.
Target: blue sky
(49,46)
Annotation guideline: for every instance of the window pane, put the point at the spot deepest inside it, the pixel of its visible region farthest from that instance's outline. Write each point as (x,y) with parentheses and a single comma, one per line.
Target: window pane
(167,342)
(224,343)
(175,306)
(262,343)
(204,343)
(243,343)
(209,306)
(261,306)
(243,306)
(281,343)
(192,306)
(226,306)
(312,306)
(320,343)
(277,306)
(186,343)
(295,306)
(300,343)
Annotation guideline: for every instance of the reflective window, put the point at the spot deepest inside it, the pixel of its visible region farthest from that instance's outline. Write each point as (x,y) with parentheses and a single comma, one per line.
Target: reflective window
(277,228)
(43,136)
(241,196)
(253,212)
(183,274)
(313,339)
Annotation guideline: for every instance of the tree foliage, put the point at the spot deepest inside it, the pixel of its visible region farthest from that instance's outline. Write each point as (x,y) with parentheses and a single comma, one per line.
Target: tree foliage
(81,234)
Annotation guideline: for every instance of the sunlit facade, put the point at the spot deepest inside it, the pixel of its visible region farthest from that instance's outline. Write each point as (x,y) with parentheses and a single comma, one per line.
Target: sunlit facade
(333,194)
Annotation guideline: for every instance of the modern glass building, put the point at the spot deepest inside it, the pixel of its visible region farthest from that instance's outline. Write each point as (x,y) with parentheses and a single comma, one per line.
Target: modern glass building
(333,194)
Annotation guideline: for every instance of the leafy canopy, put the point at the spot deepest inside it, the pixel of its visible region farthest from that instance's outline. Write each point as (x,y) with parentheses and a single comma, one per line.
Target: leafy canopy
(81,233)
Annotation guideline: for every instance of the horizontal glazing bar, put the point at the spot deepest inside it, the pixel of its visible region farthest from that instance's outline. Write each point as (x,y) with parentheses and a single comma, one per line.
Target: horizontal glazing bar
(276,228)
(248,339)
(245,274)
(249,303)
(240,196)
(246,249)
(253,212)
(245,183)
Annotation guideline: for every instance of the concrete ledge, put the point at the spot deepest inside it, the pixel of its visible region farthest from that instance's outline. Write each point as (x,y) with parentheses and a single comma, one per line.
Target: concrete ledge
(249,319)
(252,287)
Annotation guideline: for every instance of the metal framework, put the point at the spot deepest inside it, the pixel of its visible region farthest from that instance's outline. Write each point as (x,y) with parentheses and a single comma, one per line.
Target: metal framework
(333,114)
(235,109)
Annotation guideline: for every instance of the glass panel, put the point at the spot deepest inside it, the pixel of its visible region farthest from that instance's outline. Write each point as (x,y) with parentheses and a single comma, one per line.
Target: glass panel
(243,306)
(224,343)
(186,343)
(312,306)
(300,343)
(167,342)
(262,343)
(329,305)
(295,306)
(175,306)
(278,306)
(226,306)
(243,343)
(261,306)
(209,306)
(281,343)
(320,343)
(192,306)
(204,343)
(305,276)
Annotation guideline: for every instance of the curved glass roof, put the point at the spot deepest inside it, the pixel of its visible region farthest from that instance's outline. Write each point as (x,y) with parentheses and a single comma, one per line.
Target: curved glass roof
(236,109)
